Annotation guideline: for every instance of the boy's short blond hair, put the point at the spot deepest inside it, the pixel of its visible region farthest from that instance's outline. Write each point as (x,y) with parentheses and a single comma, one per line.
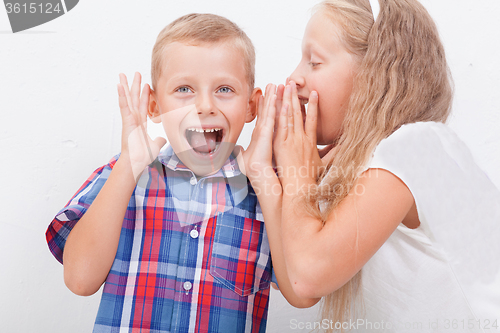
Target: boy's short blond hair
(199,29)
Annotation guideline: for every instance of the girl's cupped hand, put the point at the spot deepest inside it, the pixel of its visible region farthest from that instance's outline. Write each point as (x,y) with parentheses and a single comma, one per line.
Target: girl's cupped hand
(297,158)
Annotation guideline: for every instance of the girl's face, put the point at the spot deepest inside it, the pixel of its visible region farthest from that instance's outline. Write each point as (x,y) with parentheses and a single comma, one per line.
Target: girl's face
(327,68)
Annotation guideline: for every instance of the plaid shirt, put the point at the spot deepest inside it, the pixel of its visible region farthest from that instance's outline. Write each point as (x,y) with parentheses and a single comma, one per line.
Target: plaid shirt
(193,254)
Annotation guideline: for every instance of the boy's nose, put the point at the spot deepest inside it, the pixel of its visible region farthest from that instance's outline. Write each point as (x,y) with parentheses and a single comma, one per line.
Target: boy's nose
(206,105)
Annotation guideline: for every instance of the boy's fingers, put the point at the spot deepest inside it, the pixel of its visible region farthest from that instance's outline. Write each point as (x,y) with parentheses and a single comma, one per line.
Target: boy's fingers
(269,103)
(160,142)
(260,108)
(136,89)
(271,117)
(144,101)
(312,116)
(122,101)
(238,151)
(124,83)
(266,99)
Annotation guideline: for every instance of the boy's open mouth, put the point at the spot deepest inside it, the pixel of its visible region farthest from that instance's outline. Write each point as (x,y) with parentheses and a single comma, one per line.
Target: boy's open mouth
(204,141)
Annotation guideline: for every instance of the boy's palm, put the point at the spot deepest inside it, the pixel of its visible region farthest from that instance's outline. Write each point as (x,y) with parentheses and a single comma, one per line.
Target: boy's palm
(258,156)
(137,146)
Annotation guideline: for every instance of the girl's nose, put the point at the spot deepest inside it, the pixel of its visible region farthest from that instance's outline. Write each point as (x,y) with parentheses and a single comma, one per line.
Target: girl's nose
(297,77)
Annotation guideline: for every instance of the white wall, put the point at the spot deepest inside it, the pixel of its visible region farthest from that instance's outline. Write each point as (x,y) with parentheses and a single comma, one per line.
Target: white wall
(60,120)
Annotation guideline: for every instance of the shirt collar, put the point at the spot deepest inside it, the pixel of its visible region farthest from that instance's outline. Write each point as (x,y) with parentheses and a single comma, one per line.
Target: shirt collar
(168,158)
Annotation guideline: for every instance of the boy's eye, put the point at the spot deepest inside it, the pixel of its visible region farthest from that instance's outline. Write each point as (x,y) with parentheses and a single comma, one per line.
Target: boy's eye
(184,89)
(224,90)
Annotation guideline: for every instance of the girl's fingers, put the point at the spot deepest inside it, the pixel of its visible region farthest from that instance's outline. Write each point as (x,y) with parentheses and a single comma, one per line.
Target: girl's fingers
(298,120)
(135,90)
(282,128)
(279,95)
(287,102)
(312,116)
(279,103)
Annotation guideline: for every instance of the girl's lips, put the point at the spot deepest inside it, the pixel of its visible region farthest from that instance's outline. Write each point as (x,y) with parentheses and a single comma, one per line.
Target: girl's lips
(303,100)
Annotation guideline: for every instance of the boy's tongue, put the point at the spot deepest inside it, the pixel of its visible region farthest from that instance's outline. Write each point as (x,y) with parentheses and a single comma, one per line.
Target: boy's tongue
(203,142)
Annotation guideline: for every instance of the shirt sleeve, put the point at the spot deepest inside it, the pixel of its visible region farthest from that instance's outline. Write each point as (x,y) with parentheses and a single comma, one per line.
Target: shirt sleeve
(66,218)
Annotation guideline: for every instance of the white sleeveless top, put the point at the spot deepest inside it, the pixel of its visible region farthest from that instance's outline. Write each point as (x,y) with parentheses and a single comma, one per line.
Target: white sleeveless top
(443,276)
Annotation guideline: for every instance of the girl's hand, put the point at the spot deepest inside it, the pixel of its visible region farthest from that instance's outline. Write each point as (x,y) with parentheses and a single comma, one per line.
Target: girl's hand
(279,103)
(137,146)
(297,157)
(256,161)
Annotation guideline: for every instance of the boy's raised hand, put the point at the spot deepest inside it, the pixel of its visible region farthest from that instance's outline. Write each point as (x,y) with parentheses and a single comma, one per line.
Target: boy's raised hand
(137,146)
(257,158)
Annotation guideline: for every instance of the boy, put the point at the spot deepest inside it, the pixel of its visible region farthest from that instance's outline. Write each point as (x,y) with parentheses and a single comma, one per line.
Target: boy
(184,247)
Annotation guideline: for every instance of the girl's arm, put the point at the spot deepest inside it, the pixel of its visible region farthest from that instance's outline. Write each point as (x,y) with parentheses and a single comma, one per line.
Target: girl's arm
(271,202)
(257,165)
(321,258)
(91,246)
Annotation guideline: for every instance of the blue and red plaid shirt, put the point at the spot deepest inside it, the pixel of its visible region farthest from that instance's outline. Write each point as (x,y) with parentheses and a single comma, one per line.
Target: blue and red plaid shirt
(193,254)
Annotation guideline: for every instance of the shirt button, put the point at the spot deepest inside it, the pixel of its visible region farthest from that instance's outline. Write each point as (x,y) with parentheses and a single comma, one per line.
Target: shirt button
(194,233)
(188,285)
(192,181)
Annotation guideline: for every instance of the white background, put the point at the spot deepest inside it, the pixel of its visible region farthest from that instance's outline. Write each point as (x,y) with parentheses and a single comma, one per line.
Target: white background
(60,120)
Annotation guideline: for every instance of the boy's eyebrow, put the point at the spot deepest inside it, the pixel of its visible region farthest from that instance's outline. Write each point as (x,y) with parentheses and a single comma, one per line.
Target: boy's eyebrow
(187,77)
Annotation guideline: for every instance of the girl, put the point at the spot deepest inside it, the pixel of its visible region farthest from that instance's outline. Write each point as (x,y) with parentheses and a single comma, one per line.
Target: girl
(395,194)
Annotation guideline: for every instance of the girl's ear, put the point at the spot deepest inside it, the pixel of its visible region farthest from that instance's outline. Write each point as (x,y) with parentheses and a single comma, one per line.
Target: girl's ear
(252,105)
(153,109)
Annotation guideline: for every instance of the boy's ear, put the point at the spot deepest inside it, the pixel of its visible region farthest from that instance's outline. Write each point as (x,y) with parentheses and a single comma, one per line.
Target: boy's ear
(153,109)
(252,105)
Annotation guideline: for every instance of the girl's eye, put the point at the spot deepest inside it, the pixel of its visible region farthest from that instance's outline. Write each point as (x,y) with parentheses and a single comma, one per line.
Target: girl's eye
(184,89)
(224,90)
(314,64)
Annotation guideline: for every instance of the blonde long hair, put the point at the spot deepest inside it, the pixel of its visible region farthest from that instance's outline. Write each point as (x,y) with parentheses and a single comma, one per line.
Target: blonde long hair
(402,78)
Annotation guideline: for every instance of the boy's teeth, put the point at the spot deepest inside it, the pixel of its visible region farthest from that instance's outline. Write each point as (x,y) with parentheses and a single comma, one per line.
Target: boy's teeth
(201,130)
